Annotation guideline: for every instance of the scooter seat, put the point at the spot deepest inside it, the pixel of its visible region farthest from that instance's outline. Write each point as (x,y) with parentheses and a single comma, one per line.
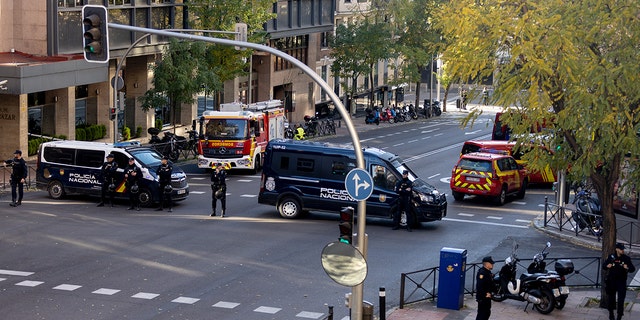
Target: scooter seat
(531,276)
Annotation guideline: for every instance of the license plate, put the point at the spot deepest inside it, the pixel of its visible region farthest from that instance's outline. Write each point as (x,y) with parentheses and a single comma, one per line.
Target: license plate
(473,179)
(182,191)
(556,292)
(564,290)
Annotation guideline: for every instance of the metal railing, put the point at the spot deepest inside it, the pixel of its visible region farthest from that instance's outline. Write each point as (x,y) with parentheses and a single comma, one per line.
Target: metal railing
(586,273)
(5,177)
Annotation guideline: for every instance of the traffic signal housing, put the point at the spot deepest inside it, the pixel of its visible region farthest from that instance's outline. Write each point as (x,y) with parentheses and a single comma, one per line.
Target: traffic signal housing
(112,113)
(95,34)
(346,225)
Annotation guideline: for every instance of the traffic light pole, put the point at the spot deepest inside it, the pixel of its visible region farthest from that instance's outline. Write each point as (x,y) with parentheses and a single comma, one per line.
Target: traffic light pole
(357,290)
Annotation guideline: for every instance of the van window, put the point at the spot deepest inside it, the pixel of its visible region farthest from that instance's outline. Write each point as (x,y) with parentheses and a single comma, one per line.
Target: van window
(284,163)
(305,165)
(121,159)
(383,178)
(147,157)
(90,158)
(59,155)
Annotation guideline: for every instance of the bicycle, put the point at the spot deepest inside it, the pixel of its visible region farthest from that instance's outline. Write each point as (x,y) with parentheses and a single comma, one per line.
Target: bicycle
(191,145)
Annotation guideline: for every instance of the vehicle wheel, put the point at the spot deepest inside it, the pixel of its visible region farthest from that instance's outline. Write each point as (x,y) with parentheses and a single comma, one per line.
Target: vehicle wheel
(560,302)
(256,164)
(438,112)
(522,190)
(548,301)
(377,121)
(55,189)
(290,208)
(501,198)
(174,155)
(458,196)
(145,199)
(392,120)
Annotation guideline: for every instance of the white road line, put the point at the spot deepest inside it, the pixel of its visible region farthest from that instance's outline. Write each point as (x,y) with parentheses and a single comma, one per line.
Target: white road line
(248,196)
(487,223)
(433,176)
(15,273)
(244,180)
(145,295)
(519,202)
(225,304)
(494,217)
(197,178)
(185,300)
(3,279)
(398,144)
(521,220)
(29,283)
(106,292)
(197,192)
(466,214)
(414,140)
(67,287)
(269,310)
(309,315)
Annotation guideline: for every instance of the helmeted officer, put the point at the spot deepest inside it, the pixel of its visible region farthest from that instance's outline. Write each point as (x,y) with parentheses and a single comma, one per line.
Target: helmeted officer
(218,189)
(132,174)
(19,174)
(108,171)
(619,266)
(164,178)
(484,289)
(403,188)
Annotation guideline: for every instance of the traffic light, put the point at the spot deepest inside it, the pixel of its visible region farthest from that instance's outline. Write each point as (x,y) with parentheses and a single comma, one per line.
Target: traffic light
(346,225)
(112,114)
(96,35)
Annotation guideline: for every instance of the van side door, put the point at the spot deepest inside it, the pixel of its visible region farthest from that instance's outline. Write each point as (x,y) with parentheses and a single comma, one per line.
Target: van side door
(384,195)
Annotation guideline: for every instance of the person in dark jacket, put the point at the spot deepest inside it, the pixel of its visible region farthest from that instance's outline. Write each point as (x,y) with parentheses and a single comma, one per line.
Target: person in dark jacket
(403,188)
(619,265)
(218,189)
(108,171)
(164,178)
(18,177)
(132,174)
(484,288)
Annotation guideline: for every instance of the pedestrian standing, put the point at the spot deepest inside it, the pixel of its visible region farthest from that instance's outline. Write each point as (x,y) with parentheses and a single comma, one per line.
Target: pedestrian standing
(485,96)
(164,178)
(403,188)
(218,189)
(484,288)
(18,177)
(132,174)
(619,265)
(108,171)
(464,99)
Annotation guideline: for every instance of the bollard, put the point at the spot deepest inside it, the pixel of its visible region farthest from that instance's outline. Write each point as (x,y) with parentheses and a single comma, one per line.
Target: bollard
(382,302)
(330,315)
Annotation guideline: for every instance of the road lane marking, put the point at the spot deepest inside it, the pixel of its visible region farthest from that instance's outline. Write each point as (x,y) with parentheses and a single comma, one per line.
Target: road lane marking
(412,141)
(248,195)
(521,220)
(196,192)
(67,287)
(398,144)
(197,178)
(487,223)
(466,214)
(519,202)
(15,273)
(433,176)
(270,310)
(145,295)
(494,217)
(29,283)
(309,315)
(106,292)
(244,180)
(226,305)
(185,300)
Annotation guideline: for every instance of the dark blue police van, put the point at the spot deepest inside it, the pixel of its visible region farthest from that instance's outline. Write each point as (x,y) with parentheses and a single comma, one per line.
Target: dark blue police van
(298,176)
(73,167)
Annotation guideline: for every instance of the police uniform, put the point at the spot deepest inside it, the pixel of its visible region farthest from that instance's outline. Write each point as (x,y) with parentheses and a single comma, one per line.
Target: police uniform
(108,171)
(218,183)
(18,177)
(133,173)
(164,178)
(619,266)
(484,289)
(403,188)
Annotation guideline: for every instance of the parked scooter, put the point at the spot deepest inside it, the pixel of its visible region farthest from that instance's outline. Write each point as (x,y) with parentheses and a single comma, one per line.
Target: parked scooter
(431,108)
(170,144)
(387,115)
(563,267)
(411,111)
(288,131)
(532,288)
(588,212)
(373,116)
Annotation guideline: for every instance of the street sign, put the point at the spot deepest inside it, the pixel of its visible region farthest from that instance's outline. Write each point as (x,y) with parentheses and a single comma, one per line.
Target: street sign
(359,184)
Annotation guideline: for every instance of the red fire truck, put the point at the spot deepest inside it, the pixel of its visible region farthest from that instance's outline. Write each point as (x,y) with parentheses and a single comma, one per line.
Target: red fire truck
(237,135)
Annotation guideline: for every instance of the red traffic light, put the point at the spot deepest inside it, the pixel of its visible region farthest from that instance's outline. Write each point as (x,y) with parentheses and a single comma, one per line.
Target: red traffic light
(346,225)
(112,113)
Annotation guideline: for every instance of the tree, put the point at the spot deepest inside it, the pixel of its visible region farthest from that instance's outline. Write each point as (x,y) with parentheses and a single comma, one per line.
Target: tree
(570,65)
(178,77)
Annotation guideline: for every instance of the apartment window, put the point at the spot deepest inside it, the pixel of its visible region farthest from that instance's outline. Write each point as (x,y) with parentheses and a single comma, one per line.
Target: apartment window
(295,46)
(119,2)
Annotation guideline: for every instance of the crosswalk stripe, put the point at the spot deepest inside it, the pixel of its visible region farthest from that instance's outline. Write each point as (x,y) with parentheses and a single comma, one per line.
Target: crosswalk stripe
(270,310)
(309,315)
(67,287)
(15,273)
(494,218)
(225,304)
(29,283)
(185,300)
(145,295)
(106,292)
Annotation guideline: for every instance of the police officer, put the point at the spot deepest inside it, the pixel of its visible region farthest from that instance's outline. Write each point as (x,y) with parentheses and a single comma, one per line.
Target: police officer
(619,265)
(108,171)
(403,188)
(484,288)
(18,177)
(132,174)
(218,189)
(164,176)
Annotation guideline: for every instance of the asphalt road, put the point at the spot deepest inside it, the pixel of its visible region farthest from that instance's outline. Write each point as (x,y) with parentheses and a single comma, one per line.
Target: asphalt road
(70,260)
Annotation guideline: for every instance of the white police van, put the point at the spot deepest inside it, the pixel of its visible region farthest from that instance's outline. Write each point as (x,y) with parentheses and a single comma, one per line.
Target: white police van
(74,167)
(304,175)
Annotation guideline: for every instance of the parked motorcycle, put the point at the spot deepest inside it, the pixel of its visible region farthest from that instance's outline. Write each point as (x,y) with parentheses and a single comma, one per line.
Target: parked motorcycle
(373,116)
(431,108)
(310,125)
(411,111)
(288,131)
(563,267)
(387,115)
(170,144)
(588,212)
(532,288)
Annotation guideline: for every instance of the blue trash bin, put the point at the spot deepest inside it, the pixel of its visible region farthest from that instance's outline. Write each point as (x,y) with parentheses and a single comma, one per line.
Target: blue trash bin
(453,263)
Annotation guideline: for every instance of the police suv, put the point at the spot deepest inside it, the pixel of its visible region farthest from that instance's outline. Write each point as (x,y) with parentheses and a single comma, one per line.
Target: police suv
(73,167)
(304,175)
